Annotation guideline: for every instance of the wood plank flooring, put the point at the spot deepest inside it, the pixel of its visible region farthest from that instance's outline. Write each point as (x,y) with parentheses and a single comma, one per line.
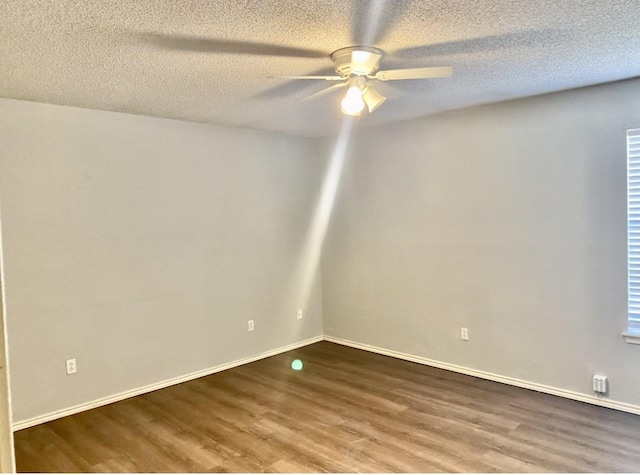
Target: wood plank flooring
(346,411)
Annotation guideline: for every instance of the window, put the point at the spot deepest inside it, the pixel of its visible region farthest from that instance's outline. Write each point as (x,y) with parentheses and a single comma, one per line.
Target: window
(633,233)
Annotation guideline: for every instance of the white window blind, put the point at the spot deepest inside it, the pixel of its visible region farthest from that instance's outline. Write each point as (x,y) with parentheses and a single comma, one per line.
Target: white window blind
(633,227)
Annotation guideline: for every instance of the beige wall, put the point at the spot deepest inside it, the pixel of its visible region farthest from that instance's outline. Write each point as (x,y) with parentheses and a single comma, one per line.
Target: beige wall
(507,219)
(142,246)
(7,459)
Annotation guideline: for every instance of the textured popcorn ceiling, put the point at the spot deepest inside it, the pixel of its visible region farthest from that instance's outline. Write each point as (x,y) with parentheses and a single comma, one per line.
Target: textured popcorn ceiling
(120,55)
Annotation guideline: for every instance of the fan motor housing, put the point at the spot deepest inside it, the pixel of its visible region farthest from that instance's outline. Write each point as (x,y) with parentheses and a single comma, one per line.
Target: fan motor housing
(342,59)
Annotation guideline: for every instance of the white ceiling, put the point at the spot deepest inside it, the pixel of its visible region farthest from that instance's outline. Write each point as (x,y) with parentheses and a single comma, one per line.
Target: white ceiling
(129,56)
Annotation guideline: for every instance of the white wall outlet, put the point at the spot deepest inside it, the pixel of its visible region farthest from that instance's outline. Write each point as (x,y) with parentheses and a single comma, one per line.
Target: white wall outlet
(250,325)
(464,334)
(71,366)
(600,384)
(299,314)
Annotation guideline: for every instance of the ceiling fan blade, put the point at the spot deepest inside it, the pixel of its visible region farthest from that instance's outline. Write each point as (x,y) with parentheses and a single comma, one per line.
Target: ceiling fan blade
(325,78)
(415,73)
(286,88)
(515,39)
(217,46)
(364,62)
(326,91)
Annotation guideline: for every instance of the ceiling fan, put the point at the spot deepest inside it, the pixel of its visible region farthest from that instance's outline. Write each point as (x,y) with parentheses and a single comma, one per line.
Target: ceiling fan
(357,70)
(356,67)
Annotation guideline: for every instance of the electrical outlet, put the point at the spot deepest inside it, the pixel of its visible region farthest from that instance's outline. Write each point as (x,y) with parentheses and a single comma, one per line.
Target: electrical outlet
(464,334)
(71,366)
(600,384)
(299,314)
(250,325)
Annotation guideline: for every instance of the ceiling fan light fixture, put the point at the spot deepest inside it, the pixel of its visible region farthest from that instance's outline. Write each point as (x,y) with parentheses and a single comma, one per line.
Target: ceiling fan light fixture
(372,98)
(357,68)
(353,104)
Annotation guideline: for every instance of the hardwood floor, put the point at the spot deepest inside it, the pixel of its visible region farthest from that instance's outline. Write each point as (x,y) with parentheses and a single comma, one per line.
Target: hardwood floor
(346,411)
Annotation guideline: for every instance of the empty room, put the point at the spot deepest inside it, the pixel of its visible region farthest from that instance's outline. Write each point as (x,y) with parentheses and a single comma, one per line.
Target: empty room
(320,236)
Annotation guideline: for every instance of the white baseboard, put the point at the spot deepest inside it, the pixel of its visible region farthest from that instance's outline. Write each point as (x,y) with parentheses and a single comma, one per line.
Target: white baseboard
(155,386)
(588,398)
(621,406)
